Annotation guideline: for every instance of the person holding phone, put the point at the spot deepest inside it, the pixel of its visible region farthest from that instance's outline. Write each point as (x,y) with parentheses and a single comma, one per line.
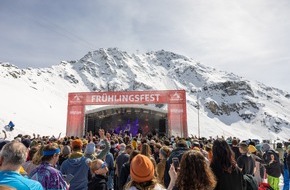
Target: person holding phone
(175,162)
(193,172)
(181,148)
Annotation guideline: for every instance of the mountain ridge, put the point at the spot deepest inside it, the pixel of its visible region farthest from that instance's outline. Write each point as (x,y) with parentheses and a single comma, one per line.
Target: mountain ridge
(226,100)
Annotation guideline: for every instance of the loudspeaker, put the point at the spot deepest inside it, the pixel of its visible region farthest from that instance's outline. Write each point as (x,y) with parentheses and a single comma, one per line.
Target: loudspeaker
(162,127)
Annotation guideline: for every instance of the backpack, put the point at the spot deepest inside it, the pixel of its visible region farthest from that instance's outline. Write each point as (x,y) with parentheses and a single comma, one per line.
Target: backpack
(250,182)
(265,186)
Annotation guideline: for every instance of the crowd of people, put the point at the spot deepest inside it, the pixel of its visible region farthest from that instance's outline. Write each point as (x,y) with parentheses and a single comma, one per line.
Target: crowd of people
(107,161)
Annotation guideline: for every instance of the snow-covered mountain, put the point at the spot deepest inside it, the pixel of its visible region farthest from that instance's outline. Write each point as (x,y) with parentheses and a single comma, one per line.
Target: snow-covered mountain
(36,99)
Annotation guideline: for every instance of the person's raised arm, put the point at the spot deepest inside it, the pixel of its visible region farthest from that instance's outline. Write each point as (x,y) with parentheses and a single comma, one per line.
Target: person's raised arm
(5,135)
(173,177)
(104,152)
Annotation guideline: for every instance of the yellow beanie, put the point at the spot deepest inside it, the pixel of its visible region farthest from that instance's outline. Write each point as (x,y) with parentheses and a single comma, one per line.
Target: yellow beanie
(134,144)
(252,149)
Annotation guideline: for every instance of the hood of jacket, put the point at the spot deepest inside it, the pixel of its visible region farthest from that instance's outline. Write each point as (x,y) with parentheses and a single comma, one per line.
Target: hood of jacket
(76,159)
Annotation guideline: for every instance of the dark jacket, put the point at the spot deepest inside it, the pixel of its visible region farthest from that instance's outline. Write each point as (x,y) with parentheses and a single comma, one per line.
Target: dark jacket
(178,152)
(120,160)
(246,163)
(228,181)
(125,173)
(273,169)
(288,161)
(99,182)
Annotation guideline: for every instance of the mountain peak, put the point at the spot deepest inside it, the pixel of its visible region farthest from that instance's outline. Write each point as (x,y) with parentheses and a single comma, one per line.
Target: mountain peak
(228,104)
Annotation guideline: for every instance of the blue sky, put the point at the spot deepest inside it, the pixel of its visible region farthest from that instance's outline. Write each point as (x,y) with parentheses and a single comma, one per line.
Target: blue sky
(248,38)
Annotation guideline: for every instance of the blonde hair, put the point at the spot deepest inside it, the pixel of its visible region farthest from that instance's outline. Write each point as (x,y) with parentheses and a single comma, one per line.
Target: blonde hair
(165,151)
(36,160)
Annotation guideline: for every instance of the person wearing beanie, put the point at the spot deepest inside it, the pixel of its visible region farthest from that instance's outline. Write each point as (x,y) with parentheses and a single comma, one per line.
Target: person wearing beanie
(78,165)
(77,144)
(66,150)
(134,143)
(65,153)
(265,147)
(252,149)
(90,151)
(142,174)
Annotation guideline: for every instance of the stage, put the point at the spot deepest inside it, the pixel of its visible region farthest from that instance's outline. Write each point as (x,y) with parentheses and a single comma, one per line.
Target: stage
(128,119)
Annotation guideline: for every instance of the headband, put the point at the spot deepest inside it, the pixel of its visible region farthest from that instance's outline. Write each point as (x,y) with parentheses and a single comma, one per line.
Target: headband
(50,152)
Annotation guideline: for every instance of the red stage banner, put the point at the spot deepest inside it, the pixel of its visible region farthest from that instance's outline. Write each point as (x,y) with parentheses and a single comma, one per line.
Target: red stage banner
(176,100)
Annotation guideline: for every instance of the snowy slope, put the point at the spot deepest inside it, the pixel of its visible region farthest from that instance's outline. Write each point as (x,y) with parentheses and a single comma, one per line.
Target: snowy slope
(36,99)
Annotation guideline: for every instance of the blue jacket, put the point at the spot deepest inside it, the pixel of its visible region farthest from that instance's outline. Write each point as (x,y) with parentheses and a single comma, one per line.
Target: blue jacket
(14,179)
(79,168)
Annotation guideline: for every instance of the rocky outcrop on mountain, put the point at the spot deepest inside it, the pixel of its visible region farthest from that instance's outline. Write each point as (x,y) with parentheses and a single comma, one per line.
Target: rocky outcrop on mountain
(238,92)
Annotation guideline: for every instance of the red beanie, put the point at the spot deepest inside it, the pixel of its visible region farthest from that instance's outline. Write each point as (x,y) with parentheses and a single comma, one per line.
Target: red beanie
(77,143)
(141,169)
